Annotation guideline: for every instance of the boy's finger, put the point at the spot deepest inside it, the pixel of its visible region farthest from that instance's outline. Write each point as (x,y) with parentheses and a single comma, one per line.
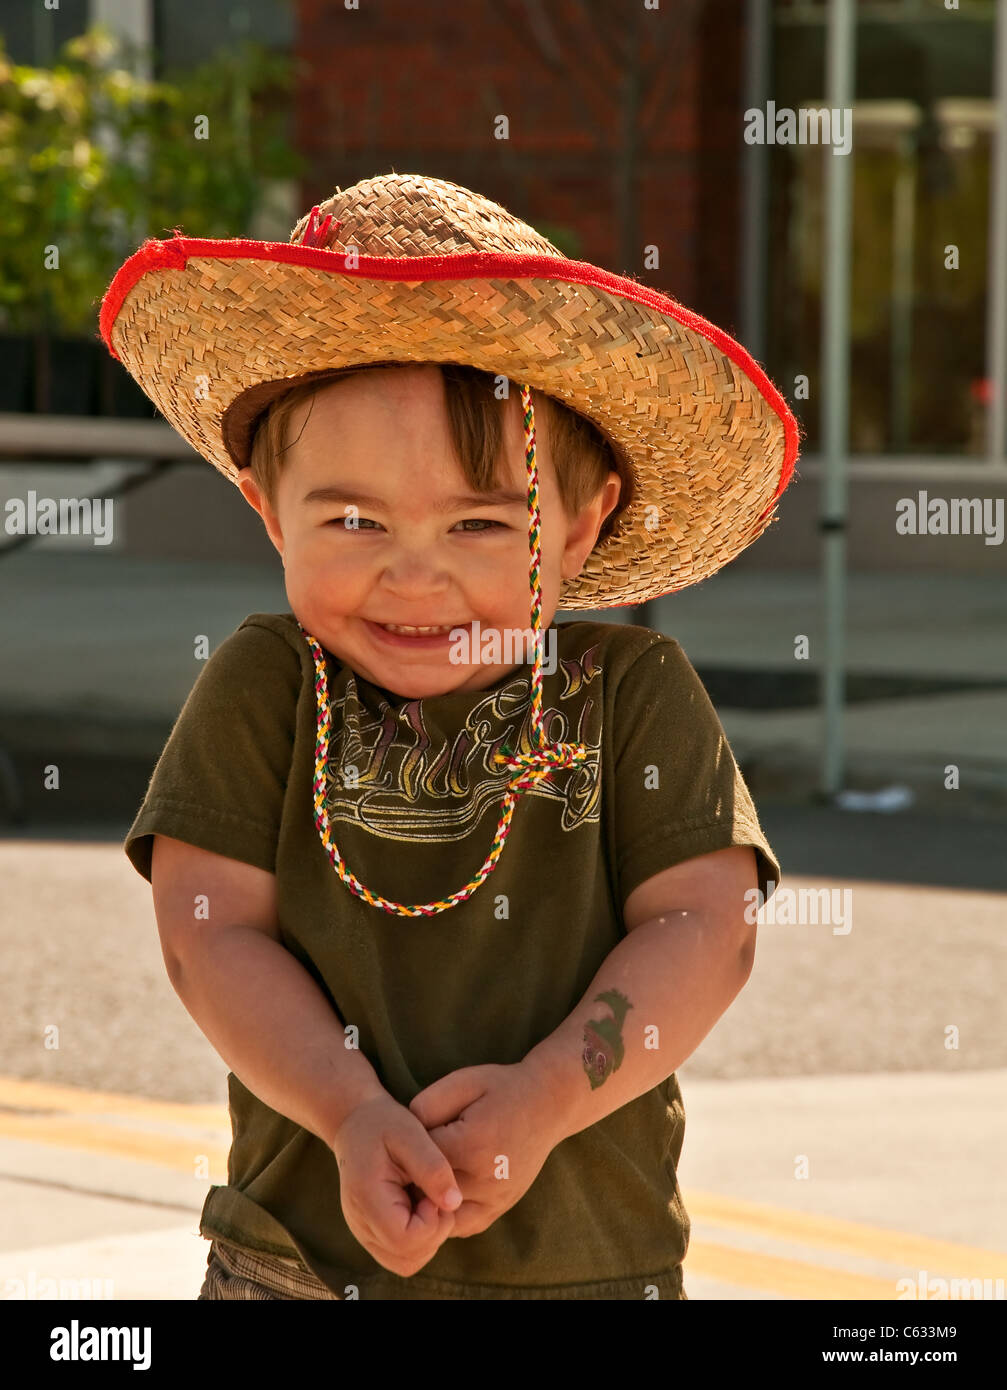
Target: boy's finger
(393,1220)
(427,1167)
(429,1213)
(391,1258)
(396,1229)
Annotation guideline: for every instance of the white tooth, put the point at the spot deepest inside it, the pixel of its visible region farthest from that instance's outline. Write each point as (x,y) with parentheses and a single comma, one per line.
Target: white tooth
(418,631)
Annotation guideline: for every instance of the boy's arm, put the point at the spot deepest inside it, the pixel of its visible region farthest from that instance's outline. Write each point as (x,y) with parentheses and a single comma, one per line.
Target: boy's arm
(687,954)
(254,1001)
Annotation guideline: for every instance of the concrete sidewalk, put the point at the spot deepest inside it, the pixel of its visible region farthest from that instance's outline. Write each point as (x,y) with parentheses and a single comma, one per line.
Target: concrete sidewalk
(104,1191)
(98,657)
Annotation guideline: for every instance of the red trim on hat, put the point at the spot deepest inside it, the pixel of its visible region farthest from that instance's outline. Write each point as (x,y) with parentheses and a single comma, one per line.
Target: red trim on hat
(173,255)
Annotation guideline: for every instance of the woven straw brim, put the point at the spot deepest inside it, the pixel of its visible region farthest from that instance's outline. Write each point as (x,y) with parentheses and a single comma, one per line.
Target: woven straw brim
(710,452)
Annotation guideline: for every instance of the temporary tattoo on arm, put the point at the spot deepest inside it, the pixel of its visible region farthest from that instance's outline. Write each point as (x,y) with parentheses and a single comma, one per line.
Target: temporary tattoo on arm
(603,1049)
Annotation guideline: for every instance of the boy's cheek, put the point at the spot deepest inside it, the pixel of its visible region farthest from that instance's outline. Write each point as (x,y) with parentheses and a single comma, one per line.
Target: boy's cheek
(324,589)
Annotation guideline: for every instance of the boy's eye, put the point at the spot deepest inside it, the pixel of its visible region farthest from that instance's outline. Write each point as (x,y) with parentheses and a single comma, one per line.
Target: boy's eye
(483,521)
(366,522)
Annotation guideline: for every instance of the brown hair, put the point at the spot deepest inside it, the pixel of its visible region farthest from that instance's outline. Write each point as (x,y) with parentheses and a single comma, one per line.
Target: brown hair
(581,454)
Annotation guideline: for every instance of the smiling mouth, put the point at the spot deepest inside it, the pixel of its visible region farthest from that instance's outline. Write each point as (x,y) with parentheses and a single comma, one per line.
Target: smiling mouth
(405,630)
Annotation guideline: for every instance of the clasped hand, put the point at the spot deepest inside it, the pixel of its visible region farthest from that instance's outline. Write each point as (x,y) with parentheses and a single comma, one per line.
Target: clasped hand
(488,1123)
(485,1130)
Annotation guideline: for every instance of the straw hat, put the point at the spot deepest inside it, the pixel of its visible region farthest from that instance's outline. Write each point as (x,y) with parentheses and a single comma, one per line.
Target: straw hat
(407,268)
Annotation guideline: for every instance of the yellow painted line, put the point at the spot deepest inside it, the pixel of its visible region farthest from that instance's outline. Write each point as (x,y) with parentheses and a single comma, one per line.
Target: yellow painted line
(771,1274)
(169,1150)
(45,1095)
(121,1126)
(853,1238)
(100,1122)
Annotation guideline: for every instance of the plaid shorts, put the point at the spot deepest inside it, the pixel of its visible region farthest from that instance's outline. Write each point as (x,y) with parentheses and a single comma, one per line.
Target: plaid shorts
(236,1272)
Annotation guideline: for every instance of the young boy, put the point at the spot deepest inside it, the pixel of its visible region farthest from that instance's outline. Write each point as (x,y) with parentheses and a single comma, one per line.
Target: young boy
(456,1049)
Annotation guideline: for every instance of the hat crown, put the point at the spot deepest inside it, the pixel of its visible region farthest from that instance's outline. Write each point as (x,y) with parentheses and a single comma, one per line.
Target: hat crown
(412,215)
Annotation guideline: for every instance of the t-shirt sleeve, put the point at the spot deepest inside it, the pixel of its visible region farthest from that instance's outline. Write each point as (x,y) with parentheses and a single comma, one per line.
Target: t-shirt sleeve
(220,781)
(679,790)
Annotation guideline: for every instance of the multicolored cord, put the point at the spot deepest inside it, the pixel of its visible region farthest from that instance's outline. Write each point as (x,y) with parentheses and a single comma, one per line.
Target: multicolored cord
(530,768)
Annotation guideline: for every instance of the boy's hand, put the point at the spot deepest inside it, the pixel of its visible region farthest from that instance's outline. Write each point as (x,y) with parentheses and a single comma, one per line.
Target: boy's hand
(385,1159)
(479,1116)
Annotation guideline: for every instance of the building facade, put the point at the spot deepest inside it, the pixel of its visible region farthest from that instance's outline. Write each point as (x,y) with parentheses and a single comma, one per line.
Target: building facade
(685,144)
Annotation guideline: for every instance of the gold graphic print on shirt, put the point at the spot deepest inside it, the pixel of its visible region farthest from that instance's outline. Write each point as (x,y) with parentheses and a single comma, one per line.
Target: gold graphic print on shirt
(400,773)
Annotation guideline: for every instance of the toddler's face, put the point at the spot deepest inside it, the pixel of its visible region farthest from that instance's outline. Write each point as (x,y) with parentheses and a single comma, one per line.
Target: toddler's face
(425,551)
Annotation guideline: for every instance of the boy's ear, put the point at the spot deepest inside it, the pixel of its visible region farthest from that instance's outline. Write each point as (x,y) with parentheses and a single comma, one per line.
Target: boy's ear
(582,536)
(257,499)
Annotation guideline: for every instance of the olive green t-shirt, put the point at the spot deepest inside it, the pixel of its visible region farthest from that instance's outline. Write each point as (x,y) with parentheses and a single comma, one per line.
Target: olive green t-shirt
(413,800)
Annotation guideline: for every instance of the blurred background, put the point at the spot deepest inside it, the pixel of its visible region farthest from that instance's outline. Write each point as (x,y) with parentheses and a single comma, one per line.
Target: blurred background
(876,299)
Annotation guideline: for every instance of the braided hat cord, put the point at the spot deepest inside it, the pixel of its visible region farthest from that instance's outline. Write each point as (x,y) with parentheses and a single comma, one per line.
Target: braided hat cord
(528,769)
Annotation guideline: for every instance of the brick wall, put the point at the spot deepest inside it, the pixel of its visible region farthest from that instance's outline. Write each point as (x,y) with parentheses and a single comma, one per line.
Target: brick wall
(415,86)
(623,154)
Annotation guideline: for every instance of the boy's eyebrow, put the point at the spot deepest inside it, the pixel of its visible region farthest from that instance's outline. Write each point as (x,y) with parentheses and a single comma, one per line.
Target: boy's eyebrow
(499,497)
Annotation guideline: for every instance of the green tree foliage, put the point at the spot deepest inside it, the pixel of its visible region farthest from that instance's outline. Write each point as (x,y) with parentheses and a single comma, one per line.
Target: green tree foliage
(94,159)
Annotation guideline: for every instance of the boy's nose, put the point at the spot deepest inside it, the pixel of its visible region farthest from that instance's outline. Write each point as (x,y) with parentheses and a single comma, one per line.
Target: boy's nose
(415,570)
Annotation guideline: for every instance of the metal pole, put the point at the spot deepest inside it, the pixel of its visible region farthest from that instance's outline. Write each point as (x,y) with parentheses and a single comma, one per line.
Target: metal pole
(903,240)
(132,21)
(755,184)
(43,37)
(996,323)
(839,57)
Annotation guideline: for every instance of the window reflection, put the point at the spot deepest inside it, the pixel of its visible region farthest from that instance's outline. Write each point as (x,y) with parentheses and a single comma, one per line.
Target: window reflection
(921,175)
